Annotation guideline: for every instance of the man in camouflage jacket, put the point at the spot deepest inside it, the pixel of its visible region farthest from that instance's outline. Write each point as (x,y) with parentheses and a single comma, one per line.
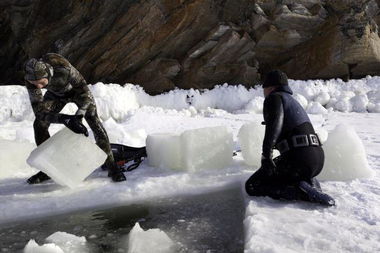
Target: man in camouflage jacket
(64,84)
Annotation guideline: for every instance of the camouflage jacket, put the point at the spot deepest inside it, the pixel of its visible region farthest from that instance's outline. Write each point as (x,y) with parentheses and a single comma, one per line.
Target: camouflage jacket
(66,82)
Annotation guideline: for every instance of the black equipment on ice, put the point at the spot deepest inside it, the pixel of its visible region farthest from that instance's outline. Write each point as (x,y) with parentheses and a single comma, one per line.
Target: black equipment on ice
(125,154)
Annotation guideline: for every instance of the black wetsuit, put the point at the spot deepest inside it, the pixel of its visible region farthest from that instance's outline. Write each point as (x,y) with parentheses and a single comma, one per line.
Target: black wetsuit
(285,118)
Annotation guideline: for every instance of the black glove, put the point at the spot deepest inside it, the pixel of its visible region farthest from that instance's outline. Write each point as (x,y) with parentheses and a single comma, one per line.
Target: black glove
(74,123)
(268,165)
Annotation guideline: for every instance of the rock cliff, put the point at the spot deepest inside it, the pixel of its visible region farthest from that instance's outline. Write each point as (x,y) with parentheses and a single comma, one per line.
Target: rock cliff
(163,44)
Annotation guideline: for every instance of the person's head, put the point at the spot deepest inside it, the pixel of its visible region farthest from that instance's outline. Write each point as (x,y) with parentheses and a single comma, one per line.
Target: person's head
(273,80)
(37,73)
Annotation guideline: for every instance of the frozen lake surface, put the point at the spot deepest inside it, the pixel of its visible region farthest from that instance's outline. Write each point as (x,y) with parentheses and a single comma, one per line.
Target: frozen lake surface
(197,223)
(205,202)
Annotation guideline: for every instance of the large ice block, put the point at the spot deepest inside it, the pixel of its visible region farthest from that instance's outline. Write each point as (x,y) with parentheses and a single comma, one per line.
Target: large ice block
(151,240)
(164,150)
(68,158)
(193,150)
(346,158)
(206,148)
(251,137)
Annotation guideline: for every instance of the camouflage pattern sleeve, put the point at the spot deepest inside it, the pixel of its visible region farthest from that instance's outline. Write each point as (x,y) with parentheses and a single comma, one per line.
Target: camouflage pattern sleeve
(82,92)
(35,97)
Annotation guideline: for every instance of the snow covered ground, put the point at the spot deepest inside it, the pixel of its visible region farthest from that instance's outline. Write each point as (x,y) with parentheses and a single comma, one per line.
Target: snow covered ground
(270,226)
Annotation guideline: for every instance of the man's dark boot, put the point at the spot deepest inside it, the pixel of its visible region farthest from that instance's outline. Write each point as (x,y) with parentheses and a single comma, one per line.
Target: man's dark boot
(117,176)
(38,178)
(315,195)
(116,173)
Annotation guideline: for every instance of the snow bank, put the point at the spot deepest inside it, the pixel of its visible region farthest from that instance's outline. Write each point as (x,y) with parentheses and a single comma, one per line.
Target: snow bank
(346,158)
(117,102)
(151,240)
(13,157)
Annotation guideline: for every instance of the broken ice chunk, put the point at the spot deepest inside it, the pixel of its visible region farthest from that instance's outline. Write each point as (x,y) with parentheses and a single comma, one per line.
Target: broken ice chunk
(33,247)
(68,158)
(346,158)
(151,240)
(68,242)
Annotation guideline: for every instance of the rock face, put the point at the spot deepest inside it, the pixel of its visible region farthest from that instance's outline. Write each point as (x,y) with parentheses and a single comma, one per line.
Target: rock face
(163,44)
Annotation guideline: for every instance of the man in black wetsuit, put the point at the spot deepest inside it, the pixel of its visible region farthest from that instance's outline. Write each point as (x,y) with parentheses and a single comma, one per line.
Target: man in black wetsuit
(288,128)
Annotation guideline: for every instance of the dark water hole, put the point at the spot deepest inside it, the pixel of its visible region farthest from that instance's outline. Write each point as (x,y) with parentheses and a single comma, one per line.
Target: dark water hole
(211,222)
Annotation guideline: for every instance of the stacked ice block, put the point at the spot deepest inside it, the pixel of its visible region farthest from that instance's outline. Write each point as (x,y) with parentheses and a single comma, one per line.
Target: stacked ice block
(193,150)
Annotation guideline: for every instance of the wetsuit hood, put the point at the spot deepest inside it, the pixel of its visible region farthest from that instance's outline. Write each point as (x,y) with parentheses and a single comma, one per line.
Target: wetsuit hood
(285,88)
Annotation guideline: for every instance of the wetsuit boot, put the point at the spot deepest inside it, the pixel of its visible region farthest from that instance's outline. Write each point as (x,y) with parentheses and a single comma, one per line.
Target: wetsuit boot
(315,195)
(116,173)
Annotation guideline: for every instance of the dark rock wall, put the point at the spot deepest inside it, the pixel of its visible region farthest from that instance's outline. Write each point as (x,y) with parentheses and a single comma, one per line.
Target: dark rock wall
(162,44)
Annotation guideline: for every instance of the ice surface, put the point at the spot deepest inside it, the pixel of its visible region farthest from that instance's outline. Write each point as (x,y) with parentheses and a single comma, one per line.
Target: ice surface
(304,227)
(33,247)
(345,156)
(68,242)
(251,137)
(206,148)
(68,158)
(164,151)
(13,157)
(151,240)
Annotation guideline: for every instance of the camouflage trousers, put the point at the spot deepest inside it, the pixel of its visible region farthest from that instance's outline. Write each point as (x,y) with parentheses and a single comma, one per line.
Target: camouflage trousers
(53,104)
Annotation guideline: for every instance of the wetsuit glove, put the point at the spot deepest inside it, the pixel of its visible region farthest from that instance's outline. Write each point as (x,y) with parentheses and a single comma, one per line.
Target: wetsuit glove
(74,123)
(268,165)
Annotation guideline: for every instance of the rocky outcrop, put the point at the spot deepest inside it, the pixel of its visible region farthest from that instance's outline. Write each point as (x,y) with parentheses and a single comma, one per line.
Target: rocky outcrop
(163,44)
